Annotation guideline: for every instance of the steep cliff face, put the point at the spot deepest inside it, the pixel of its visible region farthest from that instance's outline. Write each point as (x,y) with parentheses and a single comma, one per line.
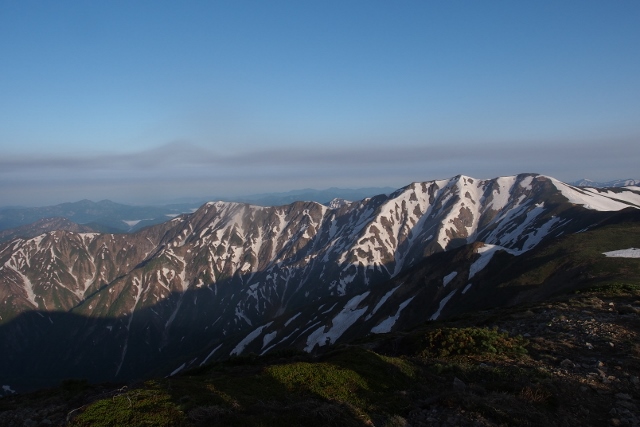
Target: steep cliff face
(208,284)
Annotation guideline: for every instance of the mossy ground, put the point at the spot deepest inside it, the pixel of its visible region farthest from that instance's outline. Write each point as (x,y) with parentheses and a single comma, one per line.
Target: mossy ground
(346,387)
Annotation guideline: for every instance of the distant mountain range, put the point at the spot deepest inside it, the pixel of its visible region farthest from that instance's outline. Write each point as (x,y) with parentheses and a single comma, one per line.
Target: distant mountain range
(104,215)
(233,278)
(615,183)
(111,217)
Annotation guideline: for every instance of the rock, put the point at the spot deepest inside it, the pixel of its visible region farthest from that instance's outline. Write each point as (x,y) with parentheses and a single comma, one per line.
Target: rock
(627,309)
(627,405)
(458,384)
(623,396)
(589,345)
(29,423)
(566,363)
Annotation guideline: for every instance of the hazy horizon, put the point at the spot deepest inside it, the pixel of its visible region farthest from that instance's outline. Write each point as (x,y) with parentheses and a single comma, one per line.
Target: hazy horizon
(151,101)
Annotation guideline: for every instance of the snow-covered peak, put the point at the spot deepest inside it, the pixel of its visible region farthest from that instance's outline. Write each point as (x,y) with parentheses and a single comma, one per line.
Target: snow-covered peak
(599,200)
(338,203)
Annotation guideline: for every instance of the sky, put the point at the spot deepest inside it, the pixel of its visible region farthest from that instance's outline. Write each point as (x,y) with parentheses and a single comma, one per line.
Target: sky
(151,101)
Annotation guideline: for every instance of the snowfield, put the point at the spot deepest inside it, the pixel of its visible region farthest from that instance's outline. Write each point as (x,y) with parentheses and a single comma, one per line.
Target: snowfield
(624,253)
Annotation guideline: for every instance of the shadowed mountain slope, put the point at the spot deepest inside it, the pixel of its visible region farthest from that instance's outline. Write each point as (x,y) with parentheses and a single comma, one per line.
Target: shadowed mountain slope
(233,278)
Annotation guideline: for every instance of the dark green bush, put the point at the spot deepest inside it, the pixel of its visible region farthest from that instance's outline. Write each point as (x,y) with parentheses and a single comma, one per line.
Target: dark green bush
(613,289)
(444,342)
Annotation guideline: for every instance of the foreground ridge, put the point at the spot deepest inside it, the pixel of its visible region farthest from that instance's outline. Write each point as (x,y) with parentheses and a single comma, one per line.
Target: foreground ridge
(571,360)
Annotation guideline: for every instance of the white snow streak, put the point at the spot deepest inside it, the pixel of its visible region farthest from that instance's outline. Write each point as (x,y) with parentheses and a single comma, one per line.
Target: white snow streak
(268,338)
(448,278)
(343,321)
(291,320)
(444,302)
(624,253)
(210,354)
(247,340)
(28,286)
(178,369)
(386,325)
(382,301)
(486,253)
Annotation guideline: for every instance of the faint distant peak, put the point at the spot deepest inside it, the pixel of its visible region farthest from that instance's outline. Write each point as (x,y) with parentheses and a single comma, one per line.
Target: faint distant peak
(615,183)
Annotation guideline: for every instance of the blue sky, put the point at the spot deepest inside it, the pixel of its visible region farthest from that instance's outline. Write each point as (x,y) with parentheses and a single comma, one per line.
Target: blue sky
(148,101)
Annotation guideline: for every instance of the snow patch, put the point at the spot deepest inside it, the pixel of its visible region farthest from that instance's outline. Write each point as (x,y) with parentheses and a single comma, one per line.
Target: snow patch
(486,253)
(178,369)
(526,183)
(343,321)
(291,320)
(386,325)
(248,339)
(444,302)
(624,253)
(210,354)
(448,278)
(268,338)
(382,301)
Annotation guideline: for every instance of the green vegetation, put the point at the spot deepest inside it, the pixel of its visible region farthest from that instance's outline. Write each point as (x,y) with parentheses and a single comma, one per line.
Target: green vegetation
(151,406)
(350,386)
(613,289)
(445,342)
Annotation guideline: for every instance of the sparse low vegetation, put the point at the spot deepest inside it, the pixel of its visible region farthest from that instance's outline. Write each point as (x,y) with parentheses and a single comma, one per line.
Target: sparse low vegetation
(613,289)
(579,365)
(444,342)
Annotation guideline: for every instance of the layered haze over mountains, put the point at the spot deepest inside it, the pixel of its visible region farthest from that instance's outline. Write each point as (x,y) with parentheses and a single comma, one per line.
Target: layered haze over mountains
(146,104)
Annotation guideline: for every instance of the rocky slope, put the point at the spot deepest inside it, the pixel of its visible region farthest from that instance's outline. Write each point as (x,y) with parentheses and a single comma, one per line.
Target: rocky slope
(581,366)
(232,278)
(43,226)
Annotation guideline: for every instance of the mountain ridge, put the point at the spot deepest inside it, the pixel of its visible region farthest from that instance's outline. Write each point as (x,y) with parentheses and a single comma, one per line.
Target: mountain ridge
(232,277)
(614,183)
(108,216)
